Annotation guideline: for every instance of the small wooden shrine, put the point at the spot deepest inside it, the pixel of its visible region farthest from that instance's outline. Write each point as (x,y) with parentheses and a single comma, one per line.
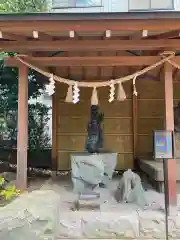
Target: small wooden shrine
(99,53)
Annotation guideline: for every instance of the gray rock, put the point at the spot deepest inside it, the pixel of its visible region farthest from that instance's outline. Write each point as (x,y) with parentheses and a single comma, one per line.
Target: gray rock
(87,171)
(109,161)
(130,190)
(109,225)
(152,225)
(174,227)
(69,225)
(31,216)
(106,225)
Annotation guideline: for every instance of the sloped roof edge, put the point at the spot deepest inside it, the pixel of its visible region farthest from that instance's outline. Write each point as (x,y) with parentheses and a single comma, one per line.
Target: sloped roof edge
(88,16)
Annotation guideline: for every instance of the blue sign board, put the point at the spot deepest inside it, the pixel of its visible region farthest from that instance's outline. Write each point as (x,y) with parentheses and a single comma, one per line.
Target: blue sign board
(163,144)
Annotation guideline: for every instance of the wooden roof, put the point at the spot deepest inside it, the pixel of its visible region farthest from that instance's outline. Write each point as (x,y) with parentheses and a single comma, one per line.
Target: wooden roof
(87,40)
(129,31)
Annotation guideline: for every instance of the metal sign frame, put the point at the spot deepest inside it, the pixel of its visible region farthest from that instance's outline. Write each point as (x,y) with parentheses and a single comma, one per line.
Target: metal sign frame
(167,133)
(165,159)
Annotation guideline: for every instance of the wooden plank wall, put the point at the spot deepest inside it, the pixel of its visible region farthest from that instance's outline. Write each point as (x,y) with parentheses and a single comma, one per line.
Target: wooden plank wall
(72,124)
(72,119)
(151,112)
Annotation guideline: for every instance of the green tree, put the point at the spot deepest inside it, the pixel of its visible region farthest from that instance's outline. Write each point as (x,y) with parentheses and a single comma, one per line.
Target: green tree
(38,133)
(24,6)
(9,76)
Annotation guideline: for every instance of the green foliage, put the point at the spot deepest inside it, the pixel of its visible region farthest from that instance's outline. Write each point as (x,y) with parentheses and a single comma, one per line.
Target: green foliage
(2,181)
(38,136)
(38,119)
(9,90)
(24,6)
(9,76)
(9,85)
(7,192)
(2,55)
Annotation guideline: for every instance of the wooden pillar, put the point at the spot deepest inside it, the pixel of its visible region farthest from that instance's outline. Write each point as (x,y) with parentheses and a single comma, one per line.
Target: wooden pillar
(54,132)
(135,124)
(169,125)
(22,138)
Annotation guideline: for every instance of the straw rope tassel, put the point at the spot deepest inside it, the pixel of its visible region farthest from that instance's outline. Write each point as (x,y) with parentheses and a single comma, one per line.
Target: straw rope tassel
(121,95)
(75,93)
(94,97)
(50,88)
(112,92)
(167,56)
(50,77)
(134,86)
(69,96)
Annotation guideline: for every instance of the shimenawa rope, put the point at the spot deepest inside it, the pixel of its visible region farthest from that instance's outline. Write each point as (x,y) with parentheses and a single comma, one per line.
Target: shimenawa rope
(166,57)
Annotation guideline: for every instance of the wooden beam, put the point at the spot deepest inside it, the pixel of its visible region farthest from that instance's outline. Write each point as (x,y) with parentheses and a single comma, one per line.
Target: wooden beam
(91,45)
(72,34)
(91,25)
(139,35)
(42,36)
(169,125)
(10,36)
(108,33)
(22,138)
(98,61)
(169,34)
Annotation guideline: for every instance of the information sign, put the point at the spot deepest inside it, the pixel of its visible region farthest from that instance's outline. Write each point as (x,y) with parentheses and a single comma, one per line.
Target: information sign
(163,145)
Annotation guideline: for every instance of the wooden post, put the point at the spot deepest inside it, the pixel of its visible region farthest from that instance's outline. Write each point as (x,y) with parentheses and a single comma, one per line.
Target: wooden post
(134,119)
(169,125)
(22,138)
(54,132)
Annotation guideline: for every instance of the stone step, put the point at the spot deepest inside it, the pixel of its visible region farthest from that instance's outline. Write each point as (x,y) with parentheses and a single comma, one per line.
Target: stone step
(128,224)
(104,225)
(89,196)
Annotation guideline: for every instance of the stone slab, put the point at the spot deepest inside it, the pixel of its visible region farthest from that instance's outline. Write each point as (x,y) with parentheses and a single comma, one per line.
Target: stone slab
(30,216)
(151,224)
(104,225)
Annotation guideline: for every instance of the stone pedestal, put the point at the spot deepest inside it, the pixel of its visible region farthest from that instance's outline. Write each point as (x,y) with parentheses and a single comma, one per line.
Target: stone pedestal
(88,171)
(109,161)
(92,168)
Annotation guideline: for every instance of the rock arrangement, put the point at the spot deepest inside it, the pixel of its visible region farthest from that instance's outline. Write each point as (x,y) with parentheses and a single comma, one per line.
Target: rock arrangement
(130,190)
(126,224)
(42,215)
(31,216)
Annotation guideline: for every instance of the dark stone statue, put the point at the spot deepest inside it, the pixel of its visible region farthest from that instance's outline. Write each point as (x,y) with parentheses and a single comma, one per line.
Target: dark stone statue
(95,139)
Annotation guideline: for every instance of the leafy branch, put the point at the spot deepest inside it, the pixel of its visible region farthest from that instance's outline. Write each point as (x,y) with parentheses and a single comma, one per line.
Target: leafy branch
(7,192)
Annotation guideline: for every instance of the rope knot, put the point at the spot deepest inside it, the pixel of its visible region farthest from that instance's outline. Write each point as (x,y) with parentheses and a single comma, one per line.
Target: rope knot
(167,53)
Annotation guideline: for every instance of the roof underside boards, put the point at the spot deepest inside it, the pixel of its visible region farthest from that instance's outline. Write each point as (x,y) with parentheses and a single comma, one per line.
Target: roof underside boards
(133,39)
